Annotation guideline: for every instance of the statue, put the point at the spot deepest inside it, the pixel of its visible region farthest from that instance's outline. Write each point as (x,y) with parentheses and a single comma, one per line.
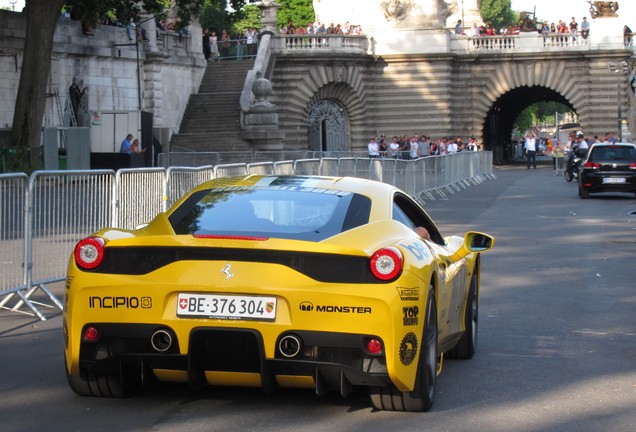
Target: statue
(528,24)
(75,94)
(82,116)
(599,9)
(396,9)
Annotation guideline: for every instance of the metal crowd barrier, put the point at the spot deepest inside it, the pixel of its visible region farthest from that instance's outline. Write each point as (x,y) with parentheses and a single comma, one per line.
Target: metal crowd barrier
(559,164)
(43,217)
(14,196)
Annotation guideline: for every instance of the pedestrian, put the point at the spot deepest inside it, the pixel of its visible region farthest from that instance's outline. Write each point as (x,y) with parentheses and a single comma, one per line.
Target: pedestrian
(394,148)
(214,46)
(413,147)
(207,50)
(373,148)
(530,146)
(135,148)
(557,158)
(585,28)
(126,145)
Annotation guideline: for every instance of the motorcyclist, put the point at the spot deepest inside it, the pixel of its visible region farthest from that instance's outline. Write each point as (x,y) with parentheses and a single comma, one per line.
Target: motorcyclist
(581,146)
(575,157)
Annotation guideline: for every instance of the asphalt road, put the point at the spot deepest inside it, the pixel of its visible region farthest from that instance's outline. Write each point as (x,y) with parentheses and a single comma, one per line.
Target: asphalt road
(556,352)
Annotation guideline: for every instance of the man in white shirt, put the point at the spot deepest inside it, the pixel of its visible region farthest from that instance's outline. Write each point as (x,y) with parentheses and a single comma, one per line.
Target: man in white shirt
(581,146)
(452,148)
(374,148)
(474,30)
(394,148)
(530,146)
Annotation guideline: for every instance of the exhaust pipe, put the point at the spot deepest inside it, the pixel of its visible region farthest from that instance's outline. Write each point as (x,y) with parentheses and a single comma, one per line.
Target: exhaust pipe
(161,340)
(290,346)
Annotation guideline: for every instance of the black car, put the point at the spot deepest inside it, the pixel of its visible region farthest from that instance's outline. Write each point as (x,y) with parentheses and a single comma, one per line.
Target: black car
(608,168)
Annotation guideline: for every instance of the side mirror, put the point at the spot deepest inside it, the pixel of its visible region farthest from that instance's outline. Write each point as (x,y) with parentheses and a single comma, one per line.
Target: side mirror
(478,242)
(474,242)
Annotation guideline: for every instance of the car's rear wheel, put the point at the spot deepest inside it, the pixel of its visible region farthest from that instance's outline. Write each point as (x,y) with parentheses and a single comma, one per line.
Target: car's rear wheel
(583,193)
(421,398)
(124,384)
(465,348)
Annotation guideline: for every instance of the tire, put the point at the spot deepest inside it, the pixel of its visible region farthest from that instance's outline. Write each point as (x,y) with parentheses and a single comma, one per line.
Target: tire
(583,193)
(111,385)
(567,174)
(467,345)
(389,398)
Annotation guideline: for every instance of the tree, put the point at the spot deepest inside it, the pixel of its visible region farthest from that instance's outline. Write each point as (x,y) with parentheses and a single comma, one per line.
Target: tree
(497,13)
(251,18)
(526,118)
(41,21)
(299,11)
(219,14)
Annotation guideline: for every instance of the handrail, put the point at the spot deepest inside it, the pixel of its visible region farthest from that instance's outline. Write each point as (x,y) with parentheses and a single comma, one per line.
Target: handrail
(261,64)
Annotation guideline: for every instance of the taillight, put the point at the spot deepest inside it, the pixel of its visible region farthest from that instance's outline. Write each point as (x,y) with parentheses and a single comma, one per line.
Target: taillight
(632,165)
(386,264)
(89,253)
(91,334)
(374,346)
(593,165)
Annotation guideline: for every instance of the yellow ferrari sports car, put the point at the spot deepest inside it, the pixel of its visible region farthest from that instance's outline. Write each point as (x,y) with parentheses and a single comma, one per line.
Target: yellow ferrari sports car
(325,283)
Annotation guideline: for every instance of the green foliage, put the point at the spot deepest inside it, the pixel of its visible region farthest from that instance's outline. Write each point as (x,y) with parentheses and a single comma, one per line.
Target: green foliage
(239,15)
(299,11)
(546,110)
(539,113)
(214,17)
(498,13)
(91,12)
(232,15)
(526,119)
(250,18)
(15,159)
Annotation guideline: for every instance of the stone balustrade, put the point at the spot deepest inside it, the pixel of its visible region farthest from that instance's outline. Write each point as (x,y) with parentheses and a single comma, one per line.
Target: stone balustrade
(284,44)
(524,42)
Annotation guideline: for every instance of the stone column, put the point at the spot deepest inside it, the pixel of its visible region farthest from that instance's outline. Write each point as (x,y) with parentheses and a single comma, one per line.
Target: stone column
(466,10)
(269,13)
(606,32)
(261,120)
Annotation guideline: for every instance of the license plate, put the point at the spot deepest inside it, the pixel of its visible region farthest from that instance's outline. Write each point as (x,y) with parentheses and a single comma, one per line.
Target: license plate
(613,180)
(230,307)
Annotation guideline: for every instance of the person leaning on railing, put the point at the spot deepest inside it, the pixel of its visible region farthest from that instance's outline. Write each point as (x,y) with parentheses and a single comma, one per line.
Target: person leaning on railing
(627,35)
(585,28)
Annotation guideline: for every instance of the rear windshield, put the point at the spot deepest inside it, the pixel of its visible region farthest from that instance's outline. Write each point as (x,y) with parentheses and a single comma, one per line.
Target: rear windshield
(303,214)
(608,153)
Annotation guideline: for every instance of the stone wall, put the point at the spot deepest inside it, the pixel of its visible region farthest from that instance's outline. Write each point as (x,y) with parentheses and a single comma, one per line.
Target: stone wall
(171,68)
(444,94)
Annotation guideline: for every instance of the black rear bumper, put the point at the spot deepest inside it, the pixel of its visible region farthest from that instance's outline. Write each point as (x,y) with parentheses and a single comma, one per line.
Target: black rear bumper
(335,361)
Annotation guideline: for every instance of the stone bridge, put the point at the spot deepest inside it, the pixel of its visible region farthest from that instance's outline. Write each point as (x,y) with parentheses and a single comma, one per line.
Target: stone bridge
(408,74)
(334,92)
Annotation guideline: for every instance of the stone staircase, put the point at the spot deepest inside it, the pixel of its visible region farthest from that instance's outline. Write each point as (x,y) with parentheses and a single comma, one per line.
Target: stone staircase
(211,121)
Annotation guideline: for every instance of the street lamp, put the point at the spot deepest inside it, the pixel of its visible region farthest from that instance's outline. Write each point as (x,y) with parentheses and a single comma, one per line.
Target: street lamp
(13,2)
(136,45)
(624,69)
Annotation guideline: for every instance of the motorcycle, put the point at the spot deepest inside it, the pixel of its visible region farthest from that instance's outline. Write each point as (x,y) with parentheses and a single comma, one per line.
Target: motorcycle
(575,158)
